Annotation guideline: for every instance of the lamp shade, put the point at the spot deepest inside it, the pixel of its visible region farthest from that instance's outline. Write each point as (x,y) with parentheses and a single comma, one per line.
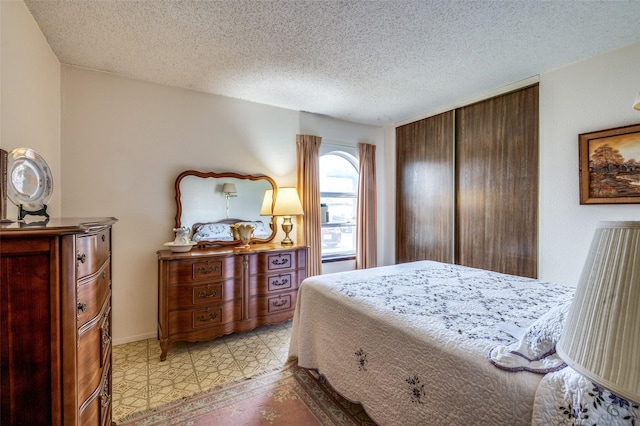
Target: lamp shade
(601,338)
(229,188)
(267,203)
(287,203)
(636,103)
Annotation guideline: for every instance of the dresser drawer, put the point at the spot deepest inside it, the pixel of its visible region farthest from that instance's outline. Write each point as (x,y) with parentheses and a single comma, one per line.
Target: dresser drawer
(92,292)
(268,305)
(92,251)
(211,269)
(97,410)
(270,262)
(94,350)
(205,317)
(190,295)
(275,282)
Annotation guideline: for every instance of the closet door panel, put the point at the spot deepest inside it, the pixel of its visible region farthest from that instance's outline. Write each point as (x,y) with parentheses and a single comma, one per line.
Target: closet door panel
(497,183)
(425,190)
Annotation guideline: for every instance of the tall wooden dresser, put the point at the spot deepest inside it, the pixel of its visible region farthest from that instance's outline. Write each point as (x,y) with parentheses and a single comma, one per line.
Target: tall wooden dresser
(55,322)
(207,293)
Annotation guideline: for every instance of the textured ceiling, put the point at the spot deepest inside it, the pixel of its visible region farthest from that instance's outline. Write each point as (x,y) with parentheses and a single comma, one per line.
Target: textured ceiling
(374,62)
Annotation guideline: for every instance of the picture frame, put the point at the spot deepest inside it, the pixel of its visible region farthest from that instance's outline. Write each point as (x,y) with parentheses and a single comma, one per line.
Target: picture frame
(609,162)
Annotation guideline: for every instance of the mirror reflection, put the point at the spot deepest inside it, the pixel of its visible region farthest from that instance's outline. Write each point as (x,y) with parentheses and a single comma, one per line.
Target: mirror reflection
(208,203)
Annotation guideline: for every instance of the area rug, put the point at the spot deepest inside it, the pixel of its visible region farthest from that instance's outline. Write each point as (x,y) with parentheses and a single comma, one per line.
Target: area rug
(291,396)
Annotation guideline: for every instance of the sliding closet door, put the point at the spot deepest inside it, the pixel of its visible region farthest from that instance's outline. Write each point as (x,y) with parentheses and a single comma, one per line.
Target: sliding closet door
(497,183)
(424,190)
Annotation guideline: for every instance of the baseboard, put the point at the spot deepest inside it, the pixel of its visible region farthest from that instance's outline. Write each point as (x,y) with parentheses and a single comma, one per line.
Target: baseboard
(130,339)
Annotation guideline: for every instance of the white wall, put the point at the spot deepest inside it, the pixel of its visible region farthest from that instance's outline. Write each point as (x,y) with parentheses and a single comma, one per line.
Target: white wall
(125,141)
(587,96)
(29,93)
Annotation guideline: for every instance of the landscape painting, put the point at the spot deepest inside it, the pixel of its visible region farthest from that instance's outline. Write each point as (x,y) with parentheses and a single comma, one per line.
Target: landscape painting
(610,166)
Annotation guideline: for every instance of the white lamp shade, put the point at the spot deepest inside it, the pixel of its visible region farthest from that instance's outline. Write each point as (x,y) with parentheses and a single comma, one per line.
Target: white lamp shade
(287,203)
(601,338)
(267,203)
(636,103)
(229,188)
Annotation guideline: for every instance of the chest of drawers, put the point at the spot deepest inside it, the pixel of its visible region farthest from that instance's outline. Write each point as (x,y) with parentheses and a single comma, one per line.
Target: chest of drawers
(208,293)
(55,328)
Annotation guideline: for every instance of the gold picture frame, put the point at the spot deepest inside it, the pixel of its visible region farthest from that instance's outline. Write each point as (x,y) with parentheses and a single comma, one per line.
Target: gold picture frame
(609,162)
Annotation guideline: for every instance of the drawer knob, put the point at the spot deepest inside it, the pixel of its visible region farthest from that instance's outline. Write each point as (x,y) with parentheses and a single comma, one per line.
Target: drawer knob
(82,307)
(82,257)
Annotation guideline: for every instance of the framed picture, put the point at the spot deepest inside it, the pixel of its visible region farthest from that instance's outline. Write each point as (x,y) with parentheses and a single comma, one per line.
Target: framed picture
(610,166)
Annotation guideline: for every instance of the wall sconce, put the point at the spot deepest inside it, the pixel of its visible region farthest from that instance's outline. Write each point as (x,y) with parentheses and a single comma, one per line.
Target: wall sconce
(287,205)
(636,104)
(601,338)
(267,206)
(229,190)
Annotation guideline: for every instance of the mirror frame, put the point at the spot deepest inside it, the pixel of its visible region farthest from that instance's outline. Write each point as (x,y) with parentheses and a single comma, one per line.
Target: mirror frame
(206,175)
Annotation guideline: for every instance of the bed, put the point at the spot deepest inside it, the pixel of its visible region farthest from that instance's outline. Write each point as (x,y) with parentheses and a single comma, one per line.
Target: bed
(430,343)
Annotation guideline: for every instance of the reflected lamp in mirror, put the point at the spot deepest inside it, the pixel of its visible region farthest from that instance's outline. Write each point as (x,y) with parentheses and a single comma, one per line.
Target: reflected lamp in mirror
(287,205)
(229,190)
(267,206)
(636,103)
(601,337)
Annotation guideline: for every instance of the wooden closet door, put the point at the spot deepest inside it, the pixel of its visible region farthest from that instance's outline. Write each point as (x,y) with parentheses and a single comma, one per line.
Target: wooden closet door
(425,190)
(497,183)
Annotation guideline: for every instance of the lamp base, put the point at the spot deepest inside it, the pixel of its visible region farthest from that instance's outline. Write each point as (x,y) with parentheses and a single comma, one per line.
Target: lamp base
(287,226)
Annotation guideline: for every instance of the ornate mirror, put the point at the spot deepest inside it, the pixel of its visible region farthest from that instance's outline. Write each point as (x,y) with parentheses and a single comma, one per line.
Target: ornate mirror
(208,203)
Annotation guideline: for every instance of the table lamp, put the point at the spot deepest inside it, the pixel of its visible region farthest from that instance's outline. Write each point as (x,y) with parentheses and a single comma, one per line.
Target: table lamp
(287,205)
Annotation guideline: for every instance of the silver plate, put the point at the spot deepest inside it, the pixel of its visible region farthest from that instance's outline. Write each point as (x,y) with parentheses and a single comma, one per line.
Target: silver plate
(29,180)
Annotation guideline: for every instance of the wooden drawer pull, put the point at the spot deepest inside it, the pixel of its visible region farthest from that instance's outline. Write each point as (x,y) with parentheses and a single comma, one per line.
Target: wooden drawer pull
(205,318)
(277,283)
(203,271)
(280,262)
(279,303)
(105,397)
(205,295)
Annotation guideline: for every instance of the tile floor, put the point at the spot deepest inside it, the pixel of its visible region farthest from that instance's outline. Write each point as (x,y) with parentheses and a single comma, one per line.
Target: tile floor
(141,381)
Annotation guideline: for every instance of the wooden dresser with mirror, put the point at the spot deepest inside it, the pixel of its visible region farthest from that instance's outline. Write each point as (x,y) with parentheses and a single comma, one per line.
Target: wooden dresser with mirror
(217,287)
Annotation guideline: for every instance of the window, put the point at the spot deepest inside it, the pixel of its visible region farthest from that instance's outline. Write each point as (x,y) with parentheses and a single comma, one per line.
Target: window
(338,203)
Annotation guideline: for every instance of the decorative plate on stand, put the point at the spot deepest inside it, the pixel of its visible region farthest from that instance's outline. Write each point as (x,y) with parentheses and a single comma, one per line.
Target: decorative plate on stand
(29,180)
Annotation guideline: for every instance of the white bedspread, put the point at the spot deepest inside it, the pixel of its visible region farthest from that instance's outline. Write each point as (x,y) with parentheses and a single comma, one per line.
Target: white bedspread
(410,341)
(568,398)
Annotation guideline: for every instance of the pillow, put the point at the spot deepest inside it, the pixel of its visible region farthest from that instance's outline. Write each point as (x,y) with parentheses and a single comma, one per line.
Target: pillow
(535,351)
(259,230)
(212,231)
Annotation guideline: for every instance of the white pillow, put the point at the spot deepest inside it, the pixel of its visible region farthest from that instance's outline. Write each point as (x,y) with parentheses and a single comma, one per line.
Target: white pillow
(535,351)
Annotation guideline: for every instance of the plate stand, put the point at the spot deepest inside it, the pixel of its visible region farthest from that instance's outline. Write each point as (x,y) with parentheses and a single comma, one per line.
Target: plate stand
(22,212)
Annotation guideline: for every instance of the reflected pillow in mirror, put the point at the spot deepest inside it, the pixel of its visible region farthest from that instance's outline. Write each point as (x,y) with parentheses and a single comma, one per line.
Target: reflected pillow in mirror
(212,232)
(259,229)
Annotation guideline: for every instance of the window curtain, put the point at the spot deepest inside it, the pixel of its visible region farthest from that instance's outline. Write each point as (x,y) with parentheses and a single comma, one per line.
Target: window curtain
(308,151)
(366,223)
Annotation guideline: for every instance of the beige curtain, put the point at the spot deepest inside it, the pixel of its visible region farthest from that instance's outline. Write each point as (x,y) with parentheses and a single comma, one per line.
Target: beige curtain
(308,149)
(366,223)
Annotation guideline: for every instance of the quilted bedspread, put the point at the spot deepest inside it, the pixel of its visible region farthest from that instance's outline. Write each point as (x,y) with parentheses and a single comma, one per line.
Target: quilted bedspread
(410,342)
(568,398)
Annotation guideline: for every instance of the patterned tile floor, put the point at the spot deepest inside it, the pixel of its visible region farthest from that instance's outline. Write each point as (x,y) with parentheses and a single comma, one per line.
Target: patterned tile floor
(141,381)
